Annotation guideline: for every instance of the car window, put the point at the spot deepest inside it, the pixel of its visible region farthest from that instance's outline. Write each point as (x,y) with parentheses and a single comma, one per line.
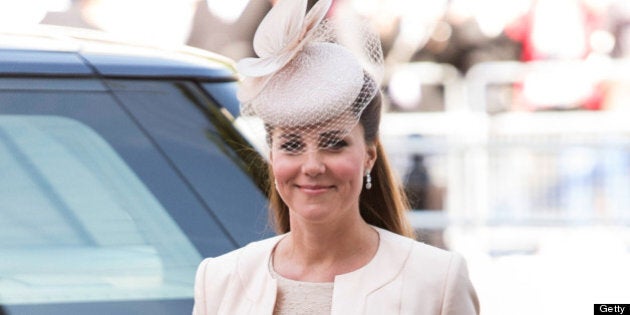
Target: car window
(77,223)
(226,91)
(182,132)
(113,191)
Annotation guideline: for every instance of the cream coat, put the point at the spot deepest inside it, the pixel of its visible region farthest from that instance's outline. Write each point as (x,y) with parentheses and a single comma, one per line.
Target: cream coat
(404,277)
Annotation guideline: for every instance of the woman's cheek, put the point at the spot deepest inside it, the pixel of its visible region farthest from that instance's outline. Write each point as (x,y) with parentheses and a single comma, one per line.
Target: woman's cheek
(284,168)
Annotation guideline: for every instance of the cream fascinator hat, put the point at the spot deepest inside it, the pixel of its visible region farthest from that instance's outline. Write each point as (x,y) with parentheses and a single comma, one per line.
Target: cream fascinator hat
(310,72)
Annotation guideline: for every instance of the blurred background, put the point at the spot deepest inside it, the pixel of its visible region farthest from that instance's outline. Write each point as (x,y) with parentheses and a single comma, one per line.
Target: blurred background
(507,122)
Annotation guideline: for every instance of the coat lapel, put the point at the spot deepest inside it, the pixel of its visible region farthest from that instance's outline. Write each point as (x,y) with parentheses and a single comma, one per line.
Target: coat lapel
(259,286)
(352,289)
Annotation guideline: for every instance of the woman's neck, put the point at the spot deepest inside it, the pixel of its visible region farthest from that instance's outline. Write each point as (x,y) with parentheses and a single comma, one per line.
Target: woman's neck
(319,252)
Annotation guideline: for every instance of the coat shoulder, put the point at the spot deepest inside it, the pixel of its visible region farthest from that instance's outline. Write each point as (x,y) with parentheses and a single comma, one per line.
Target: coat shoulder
(445,275)
(251,251)
(216,275)
(417,250)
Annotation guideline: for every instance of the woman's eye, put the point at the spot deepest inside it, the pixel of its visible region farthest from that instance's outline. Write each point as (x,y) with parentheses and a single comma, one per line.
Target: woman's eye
(292,146)
(333,144)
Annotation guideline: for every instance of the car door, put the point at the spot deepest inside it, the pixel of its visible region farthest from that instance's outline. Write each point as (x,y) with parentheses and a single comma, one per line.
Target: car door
(113,190)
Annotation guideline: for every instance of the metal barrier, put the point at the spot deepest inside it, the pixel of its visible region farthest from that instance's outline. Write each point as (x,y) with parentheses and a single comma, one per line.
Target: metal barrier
(505,167)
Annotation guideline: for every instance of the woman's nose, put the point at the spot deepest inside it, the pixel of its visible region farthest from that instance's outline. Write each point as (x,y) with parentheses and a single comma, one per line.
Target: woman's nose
(313,163)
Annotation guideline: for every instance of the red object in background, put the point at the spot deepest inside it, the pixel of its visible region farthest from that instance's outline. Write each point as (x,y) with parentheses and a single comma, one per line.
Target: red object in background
(557,21)
(557,30)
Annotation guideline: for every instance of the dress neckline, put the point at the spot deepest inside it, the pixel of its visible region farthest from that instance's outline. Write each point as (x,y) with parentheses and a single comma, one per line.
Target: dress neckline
(278,276)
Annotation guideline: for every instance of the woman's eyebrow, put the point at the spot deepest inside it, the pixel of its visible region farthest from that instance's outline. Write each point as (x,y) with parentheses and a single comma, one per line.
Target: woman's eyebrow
(330,134)
(291,136)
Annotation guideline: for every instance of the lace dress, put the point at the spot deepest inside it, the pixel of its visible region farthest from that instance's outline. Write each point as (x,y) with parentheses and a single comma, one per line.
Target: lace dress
(298,297)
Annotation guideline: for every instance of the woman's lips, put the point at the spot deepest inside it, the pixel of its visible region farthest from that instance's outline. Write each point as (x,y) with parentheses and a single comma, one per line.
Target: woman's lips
(314,189)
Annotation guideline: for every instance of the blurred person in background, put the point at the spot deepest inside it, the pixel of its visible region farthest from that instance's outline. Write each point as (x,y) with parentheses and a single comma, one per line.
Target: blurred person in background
(225,28)
(345,245)
(618,92)
(619,13)
(417,183)
(73,16)
(460,40)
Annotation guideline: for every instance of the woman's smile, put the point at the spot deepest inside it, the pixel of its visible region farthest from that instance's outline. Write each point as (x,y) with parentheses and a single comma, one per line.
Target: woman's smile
(315,189)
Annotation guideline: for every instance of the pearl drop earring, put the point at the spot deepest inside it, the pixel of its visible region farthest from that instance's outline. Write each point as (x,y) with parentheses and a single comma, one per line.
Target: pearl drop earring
(368,180)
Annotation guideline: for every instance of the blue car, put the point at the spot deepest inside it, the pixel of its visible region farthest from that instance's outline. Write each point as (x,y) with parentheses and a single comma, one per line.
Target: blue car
(120,168)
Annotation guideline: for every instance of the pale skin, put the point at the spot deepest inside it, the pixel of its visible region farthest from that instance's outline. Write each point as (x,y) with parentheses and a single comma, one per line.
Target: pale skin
(321,186)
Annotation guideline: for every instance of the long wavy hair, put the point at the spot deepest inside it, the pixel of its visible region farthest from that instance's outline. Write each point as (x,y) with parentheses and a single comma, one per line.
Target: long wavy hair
(384,205)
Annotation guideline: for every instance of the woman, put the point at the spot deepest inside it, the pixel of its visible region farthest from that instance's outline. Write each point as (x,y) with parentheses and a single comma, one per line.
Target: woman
(345,246)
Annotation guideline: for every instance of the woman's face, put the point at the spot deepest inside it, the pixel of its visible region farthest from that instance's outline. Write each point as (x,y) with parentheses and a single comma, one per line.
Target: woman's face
(319,180)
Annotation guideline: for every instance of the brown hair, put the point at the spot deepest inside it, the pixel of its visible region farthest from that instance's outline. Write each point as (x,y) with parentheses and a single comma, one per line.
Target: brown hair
(384,205)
